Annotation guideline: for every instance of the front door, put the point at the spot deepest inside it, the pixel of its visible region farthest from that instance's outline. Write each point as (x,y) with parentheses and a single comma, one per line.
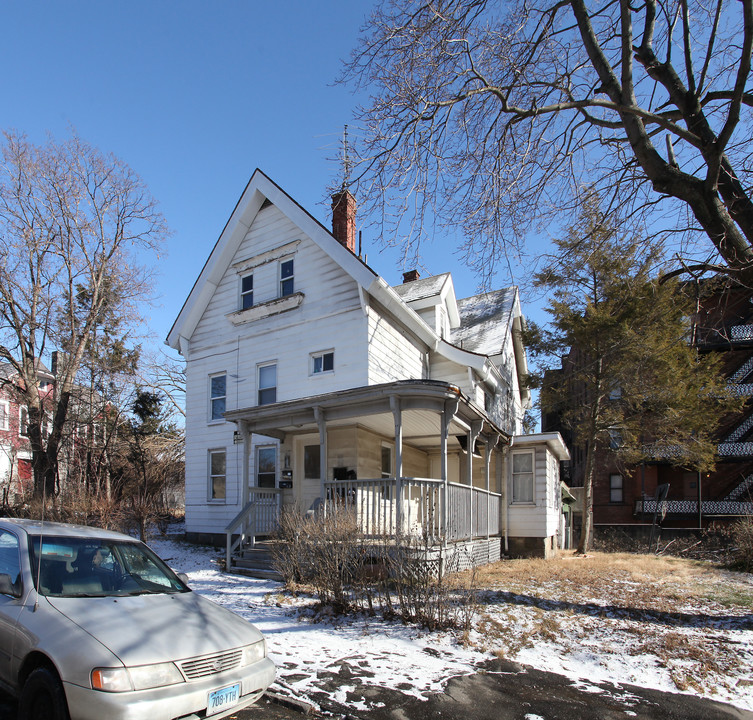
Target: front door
(307,471)
(265,491)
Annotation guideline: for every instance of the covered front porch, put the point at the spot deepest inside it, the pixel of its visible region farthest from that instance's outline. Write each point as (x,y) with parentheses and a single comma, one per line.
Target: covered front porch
(409,459)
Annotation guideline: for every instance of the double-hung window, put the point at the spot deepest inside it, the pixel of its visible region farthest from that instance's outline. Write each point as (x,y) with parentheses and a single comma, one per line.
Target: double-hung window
(287,278)
(615,488)
(217,474)
(522,477)
(247,291)
(322,362)
(217,396)
(267,384)
(4,415)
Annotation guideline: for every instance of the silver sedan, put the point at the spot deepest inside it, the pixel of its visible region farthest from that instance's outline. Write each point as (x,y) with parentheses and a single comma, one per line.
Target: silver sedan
(94,625)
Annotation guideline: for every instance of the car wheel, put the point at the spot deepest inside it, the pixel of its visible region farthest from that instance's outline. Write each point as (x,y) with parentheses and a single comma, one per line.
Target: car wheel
(42,697)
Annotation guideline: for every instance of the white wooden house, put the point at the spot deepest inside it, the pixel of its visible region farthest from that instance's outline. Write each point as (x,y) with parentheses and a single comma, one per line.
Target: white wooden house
(311,379)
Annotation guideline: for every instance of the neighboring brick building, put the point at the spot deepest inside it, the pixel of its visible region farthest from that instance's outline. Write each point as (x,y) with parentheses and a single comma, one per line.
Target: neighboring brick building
(15,450)
(627,496)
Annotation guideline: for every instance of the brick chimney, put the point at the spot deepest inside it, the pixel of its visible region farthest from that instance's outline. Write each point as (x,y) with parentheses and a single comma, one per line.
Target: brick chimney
(410,276)
(344,219)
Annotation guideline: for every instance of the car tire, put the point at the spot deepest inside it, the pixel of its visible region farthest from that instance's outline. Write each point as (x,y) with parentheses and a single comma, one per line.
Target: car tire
(42,697)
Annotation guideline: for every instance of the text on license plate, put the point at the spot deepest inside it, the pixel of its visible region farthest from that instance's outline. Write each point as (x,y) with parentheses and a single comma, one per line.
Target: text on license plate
(223,698)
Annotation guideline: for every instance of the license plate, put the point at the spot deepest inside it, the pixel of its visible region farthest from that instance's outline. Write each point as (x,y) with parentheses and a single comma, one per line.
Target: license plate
(223,698)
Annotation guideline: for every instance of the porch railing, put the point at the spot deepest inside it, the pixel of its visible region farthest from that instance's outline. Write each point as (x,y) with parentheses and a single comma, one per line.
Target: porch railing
(258,517)
(417,507)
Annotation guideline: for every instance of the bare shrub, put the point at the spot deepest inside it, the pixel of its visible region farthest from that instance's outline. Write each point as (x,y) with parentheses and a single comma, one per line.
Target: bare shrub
(742,537)
(405,577)
(322,551)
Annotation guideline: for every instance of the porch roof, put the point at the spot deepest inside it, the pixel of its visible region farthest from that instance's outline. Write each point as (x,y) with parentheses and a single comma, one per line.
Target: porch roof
(420,402)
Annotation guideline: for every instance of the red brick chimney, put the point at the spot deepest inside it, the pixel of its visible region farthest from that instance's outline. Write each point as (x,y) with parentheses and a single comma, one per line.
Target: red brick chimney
(410,276)
(344,219)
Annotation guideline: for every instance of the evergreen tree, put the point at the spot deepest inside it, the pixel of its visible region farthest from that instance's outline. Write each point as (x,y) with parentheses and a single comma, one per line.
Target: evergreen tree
(631,381)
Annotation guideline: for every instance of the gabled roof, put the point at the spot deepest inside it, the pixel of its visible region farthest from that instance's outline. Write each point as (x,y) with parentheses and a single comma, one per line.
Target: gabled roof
(485,321)
(422,288)
(421,293)
(259,189)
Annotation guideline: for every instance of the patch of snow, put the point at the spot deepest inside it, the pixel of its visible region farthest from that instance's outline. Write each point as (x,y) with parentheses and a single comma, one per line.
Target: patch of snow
(311,649)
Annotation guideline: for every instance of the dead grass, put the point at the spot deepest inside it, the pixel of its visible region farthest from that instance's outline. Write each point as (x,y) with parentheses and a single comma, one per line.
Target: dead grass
(684,614)
(641,582)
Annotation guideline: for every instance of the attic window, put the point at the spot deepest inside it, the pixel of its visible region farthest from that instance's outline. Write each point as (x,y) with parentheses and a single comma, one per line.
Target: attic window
(287,278)
(247,291)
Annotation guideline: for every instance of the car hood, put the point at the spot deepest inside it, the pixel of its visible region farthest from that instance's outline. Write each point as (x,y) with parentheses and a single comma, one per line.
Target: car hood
(146,629)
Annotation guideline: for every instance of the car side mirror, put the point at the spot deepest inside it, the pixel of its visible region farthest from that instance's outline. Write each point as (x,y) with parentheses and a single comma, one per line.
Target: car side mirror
(8,587)
(183,578)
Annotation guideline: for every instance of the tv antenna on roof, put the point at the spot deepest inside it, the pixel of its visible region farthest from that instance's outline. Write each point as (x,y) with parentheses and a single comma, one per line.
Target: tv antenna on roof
(346,159)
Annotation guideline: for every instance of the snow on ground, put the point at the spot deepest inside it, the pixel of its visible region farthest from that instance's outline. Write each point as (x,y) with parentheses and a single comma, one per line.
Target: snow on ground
(710,659)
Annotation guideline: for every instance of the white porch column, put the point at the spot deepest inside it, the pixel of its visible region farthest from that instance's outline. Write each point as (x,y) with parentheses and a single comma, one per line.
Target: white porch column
(450,408)
(246,473)
(473,434)
(322,423)
(397,416)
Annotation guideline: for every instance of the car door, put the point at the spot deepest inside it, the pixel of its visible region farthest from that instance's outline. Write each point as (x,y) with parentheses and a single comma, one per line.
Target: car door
(10,602)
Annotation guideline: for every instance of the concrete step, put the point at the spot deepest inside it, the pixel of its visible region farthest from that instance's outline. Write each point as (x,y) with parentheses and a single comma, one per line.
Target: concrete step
(259,573)
(256,562)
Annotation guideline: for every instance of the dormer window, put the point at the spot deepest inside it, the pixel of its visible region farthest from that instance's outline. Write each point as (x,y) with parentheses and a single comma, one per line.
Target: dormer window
(247,291)
(287,273)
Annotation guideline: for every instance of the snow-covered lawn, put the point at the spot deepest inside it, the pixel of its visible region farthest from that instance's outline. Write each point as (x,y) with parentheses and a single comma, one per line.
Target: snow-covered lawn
(678,626)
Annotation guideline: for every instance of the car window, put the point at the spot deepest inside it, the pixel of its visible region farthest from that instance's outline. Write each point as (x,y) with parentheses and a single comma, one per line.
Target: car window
(10,560)
(87,567)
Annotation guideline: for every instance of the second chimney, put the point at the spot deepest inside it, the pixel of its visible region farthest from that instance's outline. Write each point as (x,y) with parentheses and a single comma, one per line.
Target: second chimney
(410,276)
(344,219)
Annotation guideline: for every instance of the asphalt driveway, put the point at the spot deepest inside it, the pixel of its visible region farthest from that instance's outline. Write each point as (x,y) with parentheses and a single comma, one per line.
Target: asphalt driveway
(502,691)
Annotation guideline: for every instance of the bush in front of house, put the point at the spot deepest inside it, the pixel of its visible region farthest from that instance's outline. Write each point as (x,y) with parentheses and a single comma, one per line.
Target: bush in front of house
(403,576)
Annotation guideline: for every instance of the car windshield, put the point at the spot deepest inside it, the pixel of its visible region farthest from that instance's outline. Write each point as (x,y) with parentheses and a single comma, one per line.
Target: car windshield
(88,567)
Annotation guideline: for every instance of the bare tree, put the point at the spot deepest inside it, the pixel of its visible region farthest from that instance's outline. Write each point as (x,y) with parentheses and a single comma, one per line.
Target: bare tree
(490,116)
(74,224)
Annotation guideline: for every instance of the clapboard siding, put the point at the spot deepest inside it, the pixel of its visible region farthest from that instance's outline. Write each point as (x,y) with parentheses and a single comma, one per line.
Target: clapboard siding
(393,354)
(443,369)
(329,318)
(542,518)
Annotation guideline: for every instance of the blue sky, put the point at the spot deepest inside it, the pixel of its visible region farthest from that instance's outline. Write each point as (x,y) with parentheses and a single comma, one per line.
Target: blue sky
(194,96)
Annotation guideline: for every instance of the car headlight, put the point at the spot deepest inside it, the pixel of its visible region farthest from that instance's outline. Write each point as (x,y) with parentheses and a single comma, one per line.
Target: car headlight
(139,677)
(254,653)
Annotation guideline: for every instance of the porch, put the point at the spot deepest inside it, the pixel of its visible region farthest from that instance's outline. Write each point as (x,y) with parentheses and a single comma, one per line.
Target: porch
(332,448)
(435,512)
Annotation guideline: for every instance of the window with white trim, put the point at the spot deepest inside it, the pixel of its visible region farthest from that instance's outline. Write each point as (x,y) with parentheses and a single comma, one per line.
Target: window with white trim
(4,415)
(247,291)
(322,362)
(217,396)
(615,488)
(23,421)
(267,383)
(266,467)
(287,278)
(522,477)
(217,474)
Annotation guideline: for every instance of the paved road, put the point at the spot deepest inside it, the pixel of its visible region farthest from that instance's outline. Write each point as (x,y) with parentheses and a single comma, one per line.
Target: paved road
(504,691)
